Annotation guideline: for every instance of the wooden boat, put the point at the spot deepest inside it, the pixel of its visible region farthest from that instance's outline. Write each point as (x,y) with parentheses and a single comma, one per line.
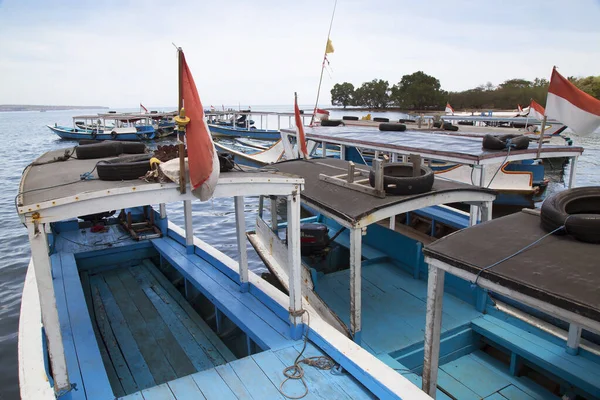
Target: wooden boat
(137,307)
(221,124)
(508,336)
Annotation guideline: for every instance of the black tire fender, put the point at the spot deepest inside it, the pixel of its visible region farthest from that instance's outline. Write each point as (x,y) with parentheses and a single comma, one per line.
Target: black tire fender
(380,119)
(449,127)
(349,118)
(108,149)
(392,127)
(577,209)
(124,168)
(437,124)
(398,179)
(113,135)
(331,122)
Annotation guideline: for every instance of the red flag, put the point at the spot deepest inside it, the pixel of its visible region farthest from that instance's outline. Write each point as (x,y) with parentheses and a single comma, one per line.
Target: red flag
(449,109)
(143,108)
(571,106)
(536,111)
(203,160)
(300,138)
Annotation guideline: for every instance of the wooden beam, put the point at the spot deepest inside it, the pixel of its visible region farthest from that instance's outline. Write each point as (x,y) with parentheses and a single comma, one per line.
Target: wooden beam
(43,274)
(240,228)
(274,225)
(295,264)
(355,283)
(433,324)
(573,171)
(573,339)
(189,227)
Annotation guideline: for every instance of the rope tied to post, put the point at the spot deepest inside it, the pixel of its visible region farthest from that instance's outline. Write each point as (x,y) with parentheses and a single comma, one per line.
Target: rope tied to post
(295,371)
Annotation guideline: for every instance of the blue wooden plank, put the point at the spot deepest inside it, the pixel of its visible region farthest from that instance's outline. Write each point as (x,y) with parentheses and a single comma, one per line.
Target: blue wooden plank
(133,396)
(587,378)
(233,381)
(225,294)
(65,329)
(160,392)
(170,347)
(367,251)
(454,388)
(137,365)
(481,380)
(90,361)
(319,386)
(158,279)
(255,380)
(142,333)
(185,389)
(107,336)
(496,396)
(514,393)
(212,386)
(445,216)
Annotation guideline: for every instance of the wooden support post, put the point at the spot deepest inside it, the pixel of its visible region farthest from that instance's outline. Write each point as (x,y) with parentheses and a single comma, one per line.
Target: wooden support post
(274,225)
(181,145)
(486,211)
(393,222)
(394,157)
(324,149)
(350,178)
(573,171)
(433,324)
(378,169)
(240,228)
(573,339)
(478,180)
(355,284)
(295,265)
(541,142)
(43,275)
(162,210)
(342,152)
(261,204)
(189,227)
(415,159)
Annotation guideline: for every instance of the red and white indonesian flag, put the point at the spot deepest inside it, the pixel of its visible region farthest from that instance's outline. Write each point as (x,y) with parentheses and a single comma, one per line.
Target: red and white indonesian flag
(449,109)
(536,111)
(300,137)
(143,108)
(571,106)
(203,160)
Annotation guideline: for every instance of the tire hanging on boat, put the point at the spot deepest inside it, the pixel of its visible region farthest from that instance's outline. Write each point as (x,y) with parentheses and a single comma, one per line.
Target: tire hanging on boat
(124,168)
(577,209)
(379,119)
(108,149)
(332,122)
(515,142)
(349,118)
(392,127)
(398,179)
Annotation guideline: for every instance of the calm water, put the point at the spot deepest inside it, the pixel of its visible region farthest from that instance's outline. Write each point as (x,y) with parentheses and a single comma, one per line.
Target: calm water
(25,137)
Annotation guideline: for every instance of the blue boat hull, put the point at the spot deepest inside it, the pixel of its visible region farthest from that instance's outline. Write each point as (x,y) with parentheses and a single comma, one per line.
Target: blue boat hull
(229,131)
(81,134)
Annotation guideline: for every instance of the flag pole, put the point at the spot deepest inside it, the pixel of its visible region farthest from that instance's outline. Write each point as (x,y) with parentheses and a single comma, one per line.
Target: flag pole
(541,136)
(181,145)
(312,119)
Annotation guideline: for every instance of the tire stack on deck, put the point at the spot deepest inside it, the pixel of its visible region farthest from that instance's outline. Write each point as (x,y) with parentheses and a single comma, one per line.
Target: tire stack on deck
(130,159)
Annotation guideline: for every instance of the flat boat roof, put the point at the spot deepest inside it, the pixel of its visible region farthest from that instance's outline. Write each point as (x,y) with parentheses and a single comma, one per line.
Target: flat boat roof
(354,208)
(559,270)
(56,191)
(460,149)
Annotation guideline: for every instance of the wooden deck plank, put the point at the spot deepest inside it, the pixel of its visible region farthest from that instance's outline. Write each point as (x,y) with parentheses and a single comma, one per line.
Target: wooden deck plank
(65,328)
(456,389)
(481,379)
(345,381)
(495,396)
(157,277)
(203,352)
(514,393)
(160,392)
(107,337)
(113,378)
(142,333)
(212,386)
(165,339)
(272,367)
(233,381)
(319,387)
(136,362)
(255,379)
(133,396)
(186,389)
(187,342)
(242,308)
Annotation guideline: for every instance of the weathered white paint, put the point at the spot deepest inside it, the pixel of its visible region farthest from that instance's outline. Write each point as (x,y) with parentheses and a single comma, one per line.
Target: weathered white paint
(273,204)
(189,226)
(43,273)
(433,325)
(558,312)
(33,380)
(574,339)
(324,148)
(162,210)
(240,229)
(355,280)
(486,211)
(573,171)
(294,260)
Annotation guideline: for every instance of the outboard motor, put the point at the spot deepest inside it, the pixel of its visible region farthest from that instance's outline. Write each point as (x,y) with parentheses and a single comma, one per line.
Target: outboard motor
(314,238)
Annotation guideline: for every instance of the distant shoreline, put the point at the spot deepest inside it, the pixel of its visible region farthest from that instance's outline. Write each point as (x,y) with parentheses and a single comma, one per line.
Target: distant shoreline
(26,107)
(410,112)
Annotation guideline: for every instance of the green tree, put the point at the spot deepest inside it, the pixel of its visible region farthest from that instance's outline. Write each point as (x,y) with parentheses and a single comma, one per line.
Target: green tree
(590,85)
(373,94)
(342,94)
(418,91)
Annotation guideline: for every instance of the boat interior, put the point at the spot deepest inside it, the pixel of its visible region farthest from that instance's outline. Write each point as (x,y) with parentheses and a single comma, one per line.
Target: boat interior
(149,319)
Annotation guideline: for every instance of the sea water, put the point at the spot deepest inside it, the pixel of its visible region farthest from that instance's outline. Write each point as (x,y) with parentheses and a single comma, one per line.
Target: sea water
(25,137)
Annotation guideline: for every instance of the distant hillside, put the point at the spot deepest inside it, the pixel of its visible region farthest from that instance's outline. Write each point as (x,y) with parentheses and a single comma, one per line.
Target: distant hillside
(28,107)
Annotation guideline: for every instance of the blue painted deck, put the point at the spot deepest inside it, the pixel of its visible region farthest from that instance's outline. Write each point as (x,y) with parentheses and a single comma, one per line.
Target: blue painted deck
(393,307)
(229,131)
(258,377)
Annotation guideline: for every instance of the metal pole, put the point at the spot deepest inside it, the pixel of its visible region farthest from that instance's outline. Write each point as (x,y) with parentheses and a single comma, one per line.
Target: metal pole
(573,171)
(541,137)
(181,145)
(355,283)
(189,228)
(240,227)
(295,264)
(433,324)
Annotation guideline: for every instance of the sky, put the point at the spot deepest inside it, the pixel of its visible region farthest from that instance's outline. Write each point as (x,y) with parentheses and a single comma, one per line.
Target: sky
(119,53)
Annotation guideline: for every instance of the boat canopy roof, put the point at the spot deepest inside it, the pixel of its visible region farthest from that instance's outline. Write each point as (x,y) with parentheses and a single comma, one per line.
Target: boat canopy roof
(352,208)
(459,149)
(559,270)
(53,190)
(126,116)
